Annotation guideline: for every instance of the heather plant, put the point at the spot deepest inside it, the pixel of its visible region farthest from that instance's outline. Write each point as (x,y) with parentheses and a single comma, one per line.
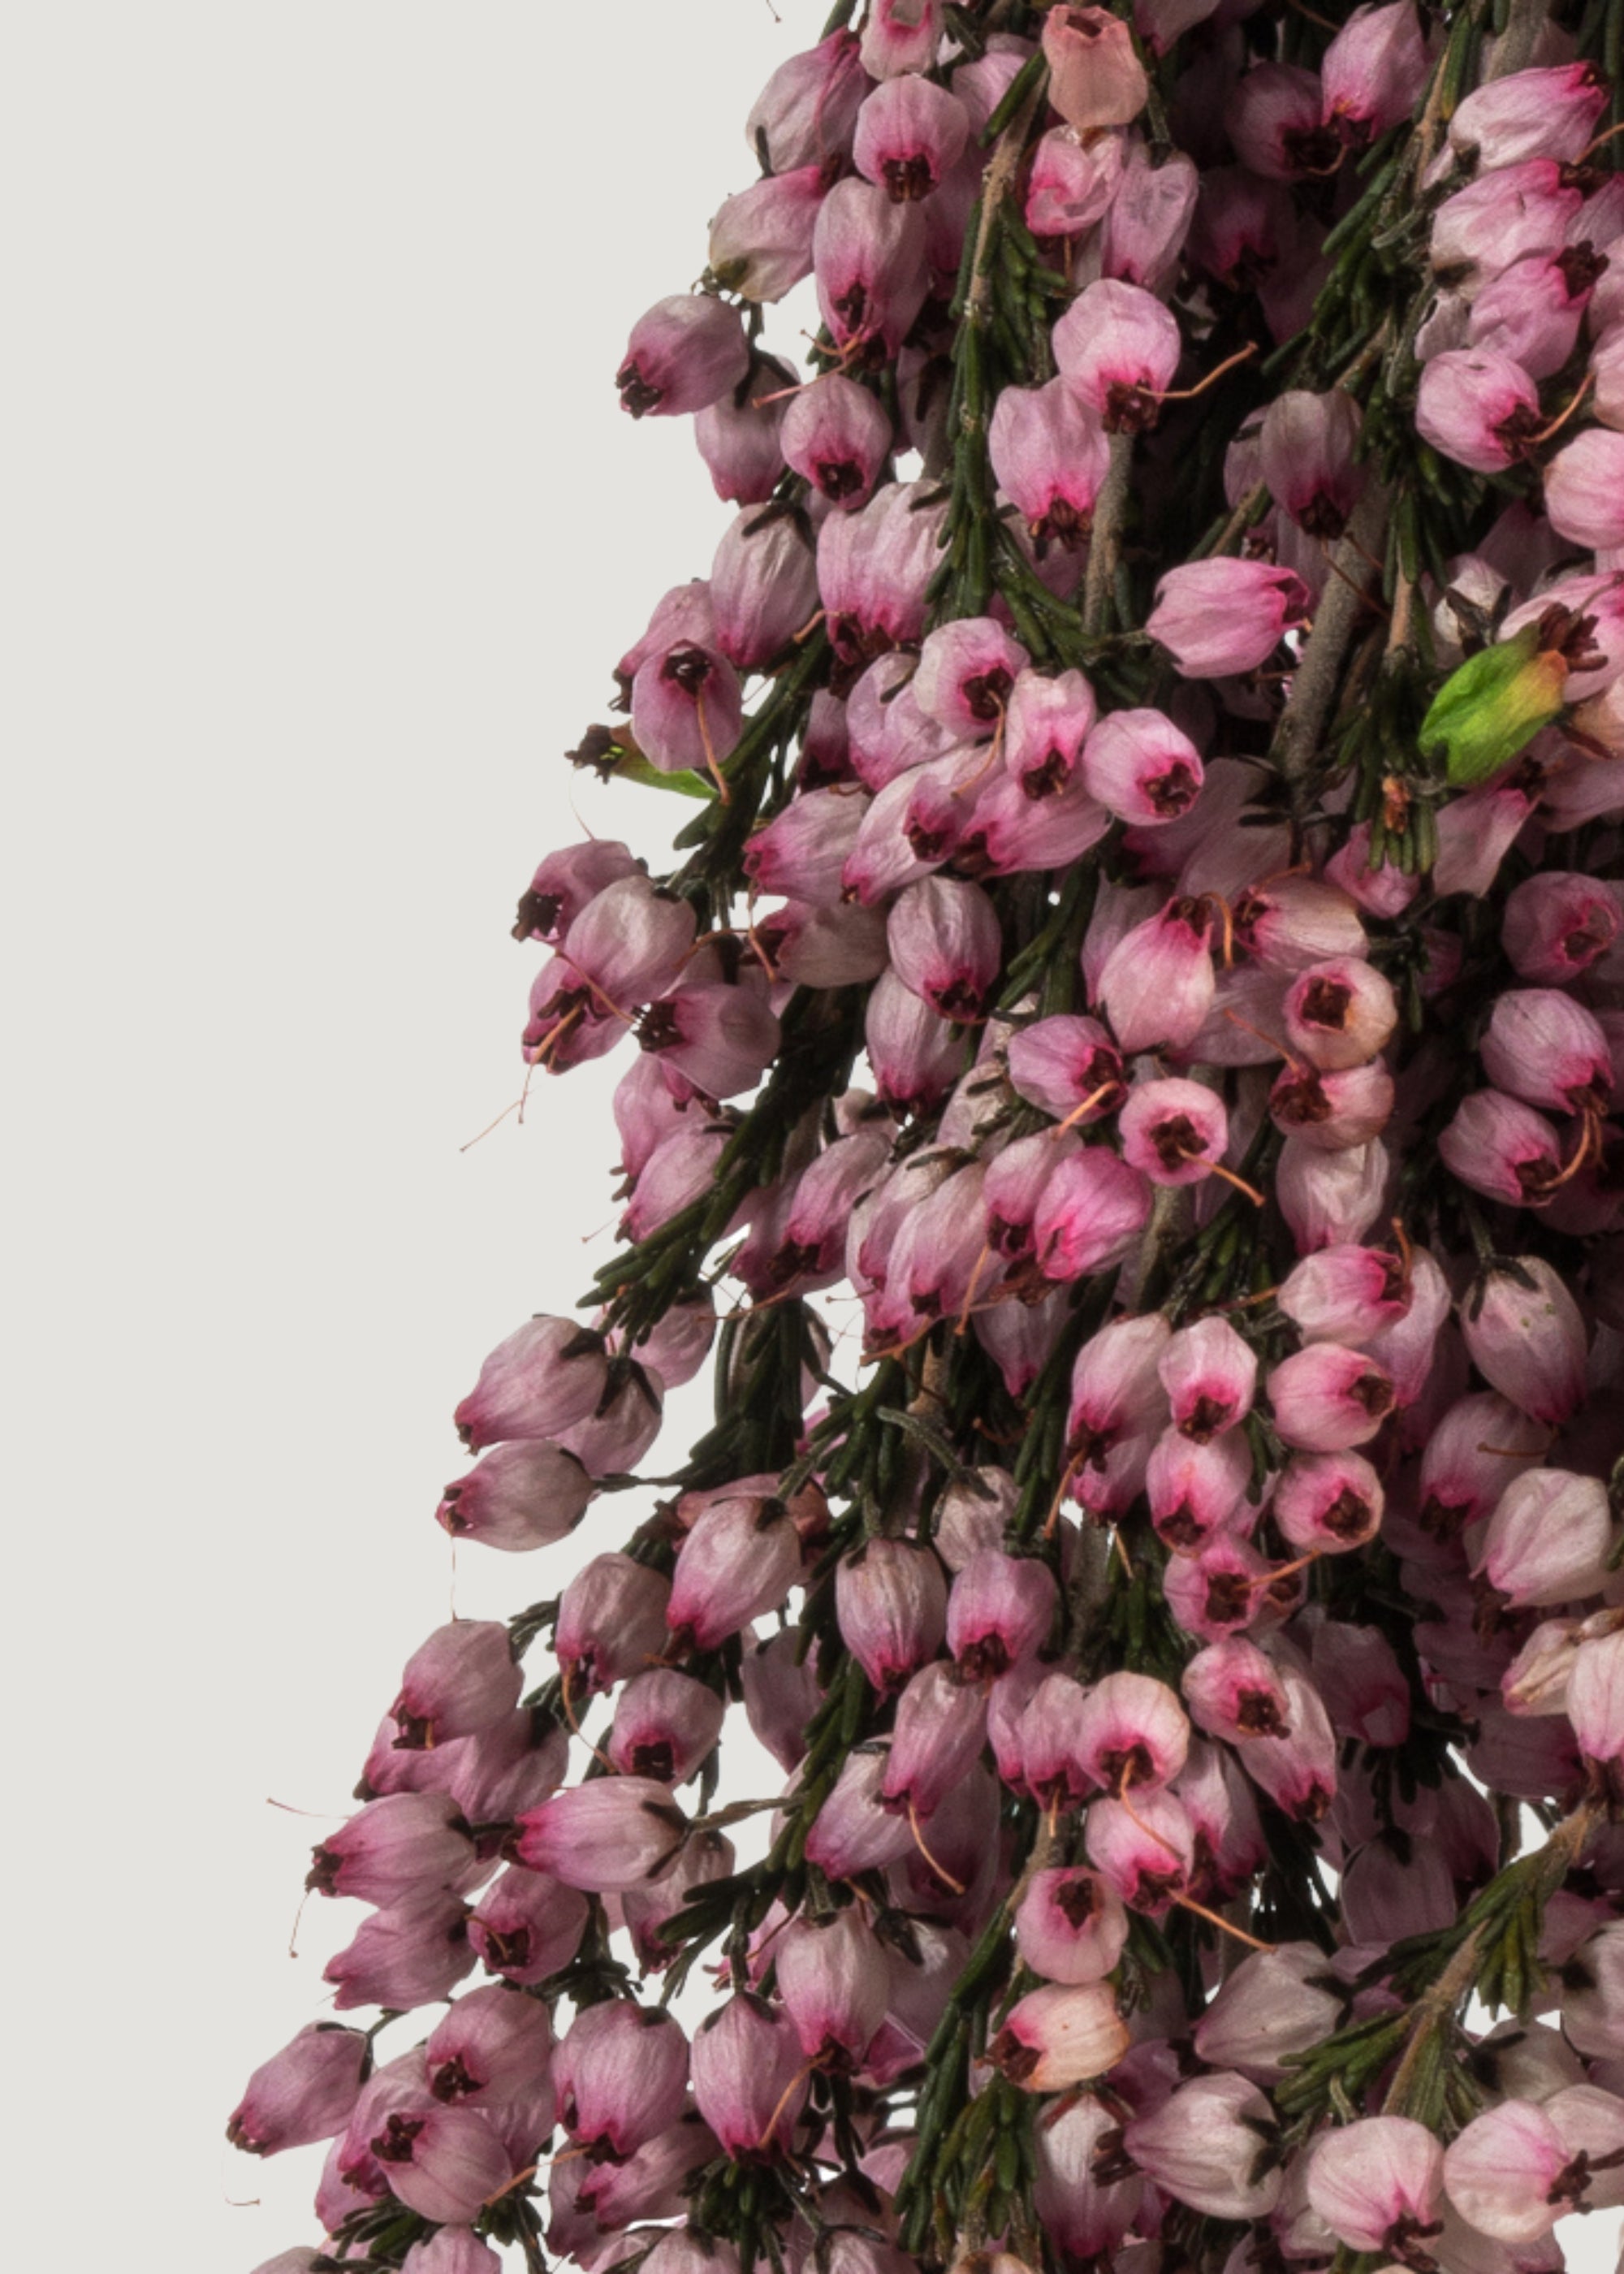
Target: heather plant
(1118,1093)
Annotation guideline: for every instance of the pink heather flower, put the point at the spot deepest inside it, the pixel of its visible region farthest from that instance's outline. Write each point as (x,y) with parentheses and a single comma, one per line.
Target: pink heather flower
(1143,1851)
(856,1830)
(1141,767)
(836,434)
(945,945)
(808,110)
(525,1494)
(750,2082)
(1117,348)
(1547,1049)
(492,2044)
(1160,22)
(1290,924)
(1532,311)
(1459,1480)
(461,1679)
(1000,1609)
(1524,1335)
(803,850)
(1145,229)
(1071,181)
(622,2073)
(1275,2005)
(1049,457)
(1503,1148)
(911,1051)
(1235,1692)
(760,239)
(1095,79)
(763,588)
(565,882)
(1530,114)
(1594,1697)
(527,1925)
(1557,924)
(967,670)
(451,2250)
(303,2094)
(442,2163)
(1477,407)
(681,356)
(1219,618)
(1093,1208)
(940,1729)
(1306,455)
(709,1857)
(737,436)
(1377,2184)
(1327,1503)
(1274,116)
(1210,1376)
(1066,1064)
(548,1374)
(402,1958)
(739,1559)
(1547,1539)
(874,565)
(1129,1731)
(1332,1112)
(1156,985)
(404,1846)
(603,1837)
(890,1602)
(1505,2172)
(901,35)
(611,1622)
(1209,2145)
(1060,2036)
(1345,1293)
(1046,723)
(910,134)
(665,1726)
(1083,2216)
(1117,1390)
(868,261)
(1374,72)
(1070,1926)
(687,709)
(1581,487)
(1173,1131)
(1296,1768)
(630,942)
(509,1767)
(1326,1399)
(1509,213)
(1340,1014)
(835,1984)
(1194,1490)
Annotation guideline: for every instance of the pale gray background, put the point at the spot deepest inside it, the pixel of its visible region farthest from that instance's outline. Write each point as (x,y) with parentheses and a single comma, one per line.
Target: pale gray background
(321,529)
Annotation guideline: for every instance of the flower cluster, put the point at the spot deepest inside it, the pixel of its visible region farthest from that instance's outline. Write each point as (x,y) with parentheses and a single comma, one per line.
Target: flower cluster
(1133,1046)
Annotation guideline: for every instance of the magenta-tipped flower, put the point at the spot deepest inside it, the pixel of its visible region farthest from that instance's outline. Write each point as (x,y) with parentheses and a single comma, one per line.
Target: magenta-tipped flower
(1327,1503)
(808,110)
(1095,77)
(547,1374)
(1156,986)
(681,356)
(523,1494)
(1049,457)
(874,565)
(1117,348)
(1547,1539)
(665,1726)
(622,2076)
(442,2163)
(1377,2184)
(749,2080)
(1374,71)
(1209,2146)
(1210,1375)
(1059,2037)
(945,945)
(835,1984)
(527,1924)
(890,1601)
(1340,1014)
(461,1679)
(492,2044)
(303,2094)
(1070,1926)
(610,1623)
(605,1836)
(1235,1692)
(836,434)
(1219,618)
(910,134)
(1545,1048)
(687,709)
(740,1558)
(1195,1489)
(406,1846)
(1557,924)
(1477,407)
(1131,1730)
(1000,1610)
(1173,1131)
(900,35)
(867,257)
(1525,1335)
(1328,1398)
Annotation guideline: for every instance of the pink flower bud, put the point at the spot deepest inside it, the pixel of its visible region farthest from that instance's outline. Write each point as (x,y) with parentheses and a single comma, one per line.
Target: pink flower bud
(901,35)
(1094,77)
(967,670)
(1144,1852)
(1117,348)
(402,1958)
(1210,1376)
(720,1038)
(1594,1701)
(1050,457)
(610,1623)
(803,848)
(1222,617)
(1070,1926)
(1235,1692)
(890,1601)
(1085,2216)
(687,709)
(741,1558)
(1056,2038)
(910,134)
(1545,1048)
(835,1984)
(1377,2184)
(681,356)
(524,1493)
(1326,1399)
(822,947)
(1329,1197)
(622,2077)
(1547,1539)
(1156,986)
(868,258)
(461,1679)
(855,1831)
(1525,1336)
(837,436)
(679,1172)
(1093,1208)
(1045,1729)
(1503,1148)
(527,1925)
(940,1727)
(408,1846)
(1116,1388)
(738,435)
(748,2081)
(1478,408)
(1509,213)
(1071,182)
(1173,1131)
(1000,1609)
(1340,1014)
(1532,311)
(1045,725)
(1293,923)
(549,1372)
(1145,229)
(911,1051)
(945,945)
(1141,768)
(1374,71)
(665,1726)
(874,565)
(1129,1731)
(1327,1503)
(1530,114)
(303,2094)
(1557,924)
(603,1837)
(1275,121)
(761,240)
(492,2044)
(808,107)
(1345,1293)
(442,2163)
(1194,1490)
(1332,1112)
(1504,2173)
(565,882)
(1211,2144)
(1476,1450)
(1274,2005)
(1063,1065)
(763,587)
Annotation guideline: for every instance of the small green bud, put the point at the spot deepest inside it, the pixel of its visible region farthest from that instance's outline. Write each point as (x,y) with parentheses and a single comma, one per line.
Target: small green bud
(1494,704)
